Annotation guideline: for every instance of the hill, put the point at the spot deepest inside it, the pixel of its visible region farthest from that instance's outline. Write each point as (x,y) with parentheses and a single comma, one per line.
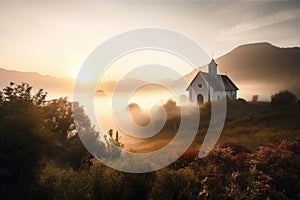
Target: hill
(259,68)
(53,85)
(263,65)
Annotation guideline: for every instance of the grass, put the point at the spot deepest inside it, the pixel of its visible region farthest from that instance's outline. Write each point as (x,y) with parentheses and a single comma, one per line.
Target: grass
(249,124)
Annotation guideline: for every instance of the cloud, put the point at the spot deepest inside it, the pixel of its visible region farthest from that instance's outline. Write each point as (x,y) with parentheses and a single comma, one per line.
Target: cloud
(259,20)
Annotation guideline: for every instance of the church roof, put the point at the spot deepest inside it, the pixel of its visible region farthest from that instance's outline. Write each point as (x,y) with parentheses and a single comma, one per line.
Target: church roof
(229,85)
(215,82)
(213,62)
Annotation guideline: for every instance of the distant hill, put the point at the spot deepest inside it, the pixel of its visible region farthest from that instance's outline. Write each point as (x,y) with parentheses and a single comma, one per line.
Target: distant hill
(53,85)
(258,68)
(263,65)
(57,87)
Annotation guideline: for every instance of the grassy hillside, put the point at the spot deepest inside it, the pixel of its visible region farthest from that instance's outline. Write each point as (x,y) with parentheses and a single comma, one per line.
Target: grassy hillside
(250,124)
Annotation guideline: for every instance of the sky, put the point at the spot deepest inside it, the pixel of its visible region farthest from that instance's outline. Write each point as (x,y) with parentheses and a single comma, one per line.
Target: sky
(55,37)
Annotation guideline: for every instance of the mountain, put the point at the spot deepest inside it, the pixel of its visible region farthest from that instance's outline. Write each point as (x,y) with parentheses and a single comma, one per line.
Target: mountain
(57,87)
(53,85)
(259,68)
(263,65)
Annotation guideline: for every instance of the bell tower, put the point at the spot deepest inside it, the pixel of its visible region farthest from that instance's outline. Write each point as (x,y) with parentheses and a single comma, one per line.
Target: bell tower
(212,68)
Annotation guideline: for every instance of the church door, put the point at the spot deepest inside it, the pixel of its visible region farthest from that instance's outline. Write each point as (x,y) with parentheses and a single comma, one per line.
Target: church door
(200,99)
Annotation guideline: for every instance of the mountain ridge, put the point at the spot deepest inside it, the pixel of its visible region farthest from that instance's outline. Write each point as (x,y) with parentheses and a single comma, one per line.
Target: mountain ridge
(259,67)
(51,84)
(265,64)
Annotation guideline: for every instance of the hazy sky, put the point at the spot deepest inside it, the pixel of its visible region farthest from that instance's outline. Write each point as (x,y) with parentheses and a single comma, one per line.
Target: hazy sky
(56,37)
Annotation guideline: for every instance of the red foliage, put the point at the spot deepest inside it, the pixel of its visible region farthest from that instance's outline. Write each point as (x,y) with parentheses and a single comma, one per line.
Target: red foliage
(231,171)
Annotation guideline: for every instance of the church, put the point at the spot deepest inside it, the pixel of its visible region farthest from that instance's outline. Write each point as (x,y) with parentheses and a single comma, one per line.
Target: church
(208,86)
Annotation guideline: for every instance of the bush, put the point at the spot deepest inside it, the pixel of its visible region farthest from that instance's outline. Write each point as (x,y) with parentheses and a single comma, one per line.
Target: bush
(255,98)
(22,139)
(40,159)
(175,184)
(284,99)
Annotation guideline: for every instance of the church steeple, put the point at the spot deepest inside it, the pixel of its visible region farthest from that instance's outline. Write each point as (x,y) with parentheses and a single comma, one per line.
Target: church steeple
(212,68)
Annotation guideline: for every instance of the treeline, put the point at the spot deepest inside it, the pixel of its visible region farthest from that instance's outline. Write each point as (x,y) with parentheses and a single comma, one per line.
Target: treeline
(42,157)
(34,133)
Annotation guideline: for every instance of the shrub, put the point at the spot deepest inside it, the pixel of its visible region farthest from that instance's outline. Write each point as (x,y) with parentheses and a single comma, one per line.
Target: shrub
(254,98)
(284,99)
(175,184)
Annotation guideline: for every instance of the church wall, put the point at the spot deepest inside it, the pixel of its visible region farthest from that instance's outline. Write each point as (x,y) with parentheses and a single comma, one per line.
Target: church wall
(206,90)
(194,90)
(231,94)
(218,95)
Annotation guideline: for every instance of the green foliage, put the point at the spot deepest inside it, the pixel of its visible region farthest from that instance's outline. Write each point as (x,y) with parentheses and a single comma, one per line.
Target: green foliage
(228,172)
(42,156)
(59,115)
(35,131)
(105,183)
(16,94)
(114,144)
(115,140)
(22,139)
(175,184)
(63,183)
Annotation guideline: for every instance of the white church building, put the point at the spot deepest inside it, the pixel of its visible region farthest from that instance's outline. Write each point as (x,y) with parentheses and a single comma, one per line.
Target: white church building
(211,86)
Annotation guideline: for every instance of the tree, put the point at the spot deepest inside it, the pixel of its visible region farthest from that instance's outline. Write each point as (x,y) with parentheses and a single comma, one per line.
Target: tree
(22,139)
(255,98)
(59,115)
(114,140)
(170,105)
(134,107)
(67,148)
(284,99)
(35,132)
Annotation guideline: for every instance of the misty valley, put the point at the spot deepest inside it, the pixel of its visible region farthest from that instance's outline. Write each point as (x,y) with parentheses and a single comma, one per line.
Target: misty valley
(42,156)
(149,100)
